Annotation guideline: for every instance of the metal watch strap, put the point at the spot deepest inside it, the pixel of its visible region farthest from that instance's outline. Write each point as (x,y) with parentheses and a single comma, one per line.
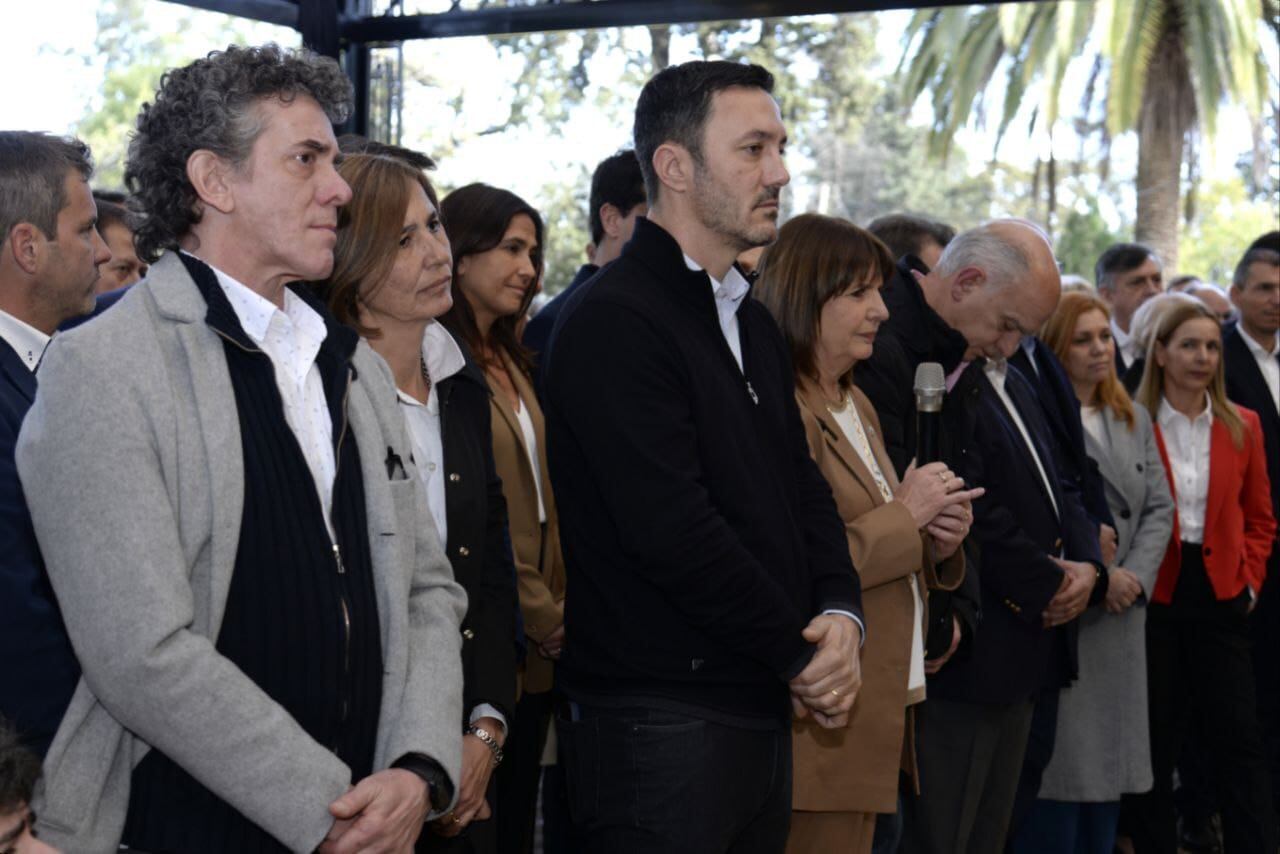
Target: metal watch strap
(489,742)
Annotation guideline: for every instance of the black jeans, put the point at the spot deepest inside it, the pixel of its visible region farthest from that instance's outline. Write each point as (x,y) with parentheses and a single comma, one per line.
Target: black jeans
(1198,662)
(645,781)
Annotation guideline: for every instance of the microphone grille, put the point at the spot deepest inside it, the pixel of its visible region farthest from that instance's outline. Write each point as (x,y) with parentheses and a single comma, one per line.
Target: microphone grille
(930,378)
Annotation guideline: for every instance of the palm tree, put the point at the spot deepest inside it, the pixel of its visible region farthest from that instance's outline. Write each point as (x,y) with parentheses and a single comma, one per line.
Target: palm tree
(1165,67)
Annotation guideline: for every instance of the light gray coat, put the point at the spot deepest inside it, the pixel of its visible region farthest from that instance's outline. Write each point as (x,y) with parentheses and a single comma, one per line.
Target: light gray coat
(131,463)
(1103,747)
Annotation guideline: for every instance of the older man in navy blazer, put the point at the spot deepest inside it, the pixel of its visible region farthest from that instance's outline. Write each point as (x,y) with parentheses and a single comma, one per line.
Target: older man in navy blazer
(50,254)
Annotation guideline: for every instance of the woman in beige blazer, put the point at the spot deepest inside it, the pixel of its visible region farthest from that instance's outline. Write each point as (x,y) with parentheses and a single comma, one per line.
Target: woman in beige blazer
(497,258)
(821,280)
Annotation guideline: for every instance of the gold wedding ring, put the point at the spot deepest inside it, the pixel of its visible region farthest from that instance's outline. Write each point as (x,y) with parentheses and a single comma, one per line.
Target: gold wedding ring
(835,692)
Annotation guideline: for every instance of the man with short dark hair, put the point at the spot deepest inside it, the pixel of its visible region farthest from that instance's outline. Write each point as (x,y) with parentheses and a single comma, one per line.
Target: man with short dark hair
(1127,275)
(710,590)
(224,491)
(50,257)
(125,267)
(1251,350)
(906,234)
(617,199)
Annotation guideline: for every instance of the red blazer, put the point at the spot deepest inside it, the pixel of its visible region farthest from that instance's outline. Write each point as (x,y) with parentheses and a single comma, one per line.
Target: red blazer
(1239,527)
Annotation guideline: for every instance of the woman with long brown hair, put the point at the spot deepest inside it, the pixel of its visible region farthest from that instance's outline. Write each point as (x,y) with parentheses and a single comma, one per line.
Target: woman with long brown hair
(392,278)
(1102,745)
(1198,660)
(497,242)
(821,281)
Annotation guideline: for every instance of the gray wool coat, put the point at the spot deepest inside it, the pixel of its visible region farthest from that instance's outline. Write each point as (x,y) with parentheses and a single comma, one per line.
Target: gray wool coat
(130,461)
(1103,746)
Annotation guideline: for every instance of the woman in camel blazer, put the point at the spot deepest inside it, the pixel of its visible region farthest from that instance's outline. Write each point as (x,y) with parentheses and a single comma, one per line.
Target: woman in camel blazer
(497,261)
(821,281)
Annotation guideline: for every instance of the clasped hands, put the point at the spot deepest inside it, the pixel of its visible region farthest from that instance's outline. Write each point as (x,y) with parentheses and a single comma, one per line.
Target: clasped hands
(382,814)
(829,684)
(939,504)
(1078,579)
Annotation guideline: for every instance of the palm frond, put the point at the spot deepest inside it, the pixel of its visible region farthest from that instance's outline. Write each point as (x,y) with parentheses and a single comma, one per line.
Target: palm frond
(1139,24)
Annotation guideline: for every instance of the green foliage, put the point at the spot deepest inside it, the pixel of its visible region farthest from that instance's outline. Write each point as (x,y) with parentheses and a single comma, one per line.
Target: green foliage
(563,207)
(1084,236)
(1228,223)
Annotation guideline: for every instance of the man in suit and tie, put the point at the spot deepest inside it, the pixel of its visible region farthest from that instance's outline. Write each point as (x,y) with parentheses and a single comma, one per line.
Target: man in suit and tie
(1252,352)
(50,258)
(1127,275)
(1039,564)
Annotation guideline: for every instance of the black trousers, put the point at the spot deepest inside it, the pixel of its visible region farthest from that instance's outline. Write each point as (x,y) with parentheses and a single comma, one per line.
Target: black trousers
(644,781)
(520,771)
(1199,663)
(1264,626)
(969,756)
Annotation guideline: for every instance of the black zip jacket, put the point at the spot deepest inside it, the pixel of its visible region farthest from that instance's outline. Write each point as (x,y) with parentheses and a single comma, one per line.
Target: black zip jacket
(699,537)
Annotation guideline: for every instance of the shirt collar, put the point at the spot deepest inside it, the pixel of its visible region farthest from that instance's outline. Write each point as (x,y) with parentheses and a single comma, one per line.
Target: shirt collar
(27,341)
(1122,337)
(1028,345)
(442,356)
(732,288)
(996,369)
(1256,349)
(1168,416)
(255,312)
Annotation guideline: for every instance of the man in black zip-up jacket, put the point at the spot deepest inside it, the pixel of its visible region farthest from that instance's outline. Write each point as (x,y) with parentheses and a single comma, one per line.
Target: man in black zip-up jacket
(709,578)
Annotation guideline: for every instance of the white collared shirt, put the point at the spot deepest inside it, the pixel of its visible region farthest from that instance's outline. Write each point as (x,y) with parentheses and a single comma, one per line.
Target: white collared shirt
(729,295)
(443,358)
(531,448)
(1187,441)
(27,341)
(291,339)
(996,371)
(1125,345)
(1268,363)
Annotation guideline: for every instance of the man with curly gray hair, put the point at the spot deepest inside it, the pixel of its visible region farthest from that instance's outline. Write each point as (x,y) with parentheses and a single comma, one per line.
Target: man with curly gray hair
(268,627)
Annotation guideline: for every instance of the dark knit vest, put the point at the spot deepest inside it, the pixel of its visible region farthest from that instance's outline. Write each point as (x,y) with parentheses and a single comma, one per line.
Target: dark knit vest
(301,621)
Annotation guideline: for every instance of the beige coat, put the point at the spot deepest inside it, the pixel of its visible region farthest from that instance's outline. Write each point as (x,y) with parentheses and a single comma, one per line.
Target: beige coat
(539,565)
(856,768)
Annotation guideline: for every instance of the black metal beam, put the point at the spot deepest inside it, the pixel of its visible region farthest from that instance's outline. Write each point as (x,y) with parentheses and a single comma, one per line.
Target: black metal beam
(280,12)
(592,14)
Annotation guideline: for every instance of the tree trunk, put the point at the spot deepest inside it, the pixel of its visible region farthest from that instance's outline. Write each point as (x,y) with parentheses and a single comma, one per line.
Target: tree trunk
(1168,110)
(660,41)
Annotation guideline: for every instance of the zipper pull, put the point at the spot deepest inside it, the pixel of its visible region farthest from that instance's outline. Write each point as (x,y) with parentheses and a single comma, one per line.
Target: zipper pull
(337,557)
(752,392)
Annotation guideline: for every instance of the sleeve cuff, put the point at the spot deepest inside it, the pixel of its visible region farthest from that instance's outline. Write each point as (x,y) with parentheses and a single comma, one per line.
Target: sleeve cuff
(862,627)
(439,787)
(484,710)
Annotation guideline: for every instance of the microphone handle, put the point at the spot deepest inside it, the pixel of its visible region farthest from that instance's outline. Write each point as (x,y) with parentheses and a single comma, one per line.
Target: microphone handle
(928,427)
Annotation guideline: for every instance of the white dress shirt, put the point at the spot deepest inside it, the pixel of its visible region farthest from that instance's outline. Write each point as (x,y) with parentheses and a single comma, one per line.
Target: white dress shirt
(531,448)
(291,339)
(1125,345)
(1187,441)
(443,358)
(996,371)
(1268,363)
(729,295)
(855,431)
(1092,420)
(27,341)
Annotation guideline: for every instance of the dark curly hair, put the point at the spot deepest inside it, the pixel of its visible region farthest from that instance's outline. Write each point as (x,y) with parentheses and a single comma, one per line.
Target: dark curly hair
(209,105)
(19,770)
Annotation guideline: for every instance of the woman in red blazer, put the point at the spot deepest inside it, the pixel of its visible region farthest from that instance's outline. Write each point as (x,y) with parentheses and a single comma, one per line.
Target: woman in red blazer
(1198,659)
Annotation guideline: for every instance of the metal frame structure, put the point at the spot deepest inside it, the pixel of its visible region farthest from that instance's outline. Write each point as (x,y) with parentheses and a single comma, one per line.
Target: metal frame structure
(348,30)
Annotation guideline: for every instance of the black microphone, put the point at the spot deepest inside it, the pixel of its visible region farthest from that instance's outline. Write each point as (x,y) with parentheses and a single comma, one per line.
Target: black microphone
(930,386)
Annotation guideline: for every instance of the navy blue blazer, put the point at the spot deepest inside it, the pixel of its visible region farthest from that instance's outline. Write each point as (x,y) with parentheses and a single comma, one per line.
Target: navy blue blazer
(39,667)
(537,332)
(1062,411)
(1015,530)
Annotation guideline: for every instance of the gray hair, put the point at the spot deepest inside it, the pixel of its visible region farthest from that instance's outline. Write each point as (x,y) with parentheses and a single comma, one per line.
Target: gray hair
(1146,320)
(209,104)
(1003,262)
(33,175)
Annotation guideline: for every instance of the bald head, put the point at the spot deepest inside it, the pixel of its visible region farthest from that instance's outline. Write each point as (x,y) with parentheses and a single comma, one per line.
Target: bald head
(995,284)
(1213,297)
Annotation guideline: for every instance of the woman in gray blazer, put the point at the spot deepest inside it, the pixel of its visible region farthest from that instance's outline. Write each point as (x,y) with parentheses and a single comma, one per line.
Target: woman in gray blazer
(1103,745)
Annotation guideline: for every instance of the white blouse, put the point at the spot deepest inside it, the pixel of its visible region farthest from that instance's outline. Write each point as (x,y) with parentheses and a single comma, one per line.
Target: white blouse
(531,446)
(1187,441)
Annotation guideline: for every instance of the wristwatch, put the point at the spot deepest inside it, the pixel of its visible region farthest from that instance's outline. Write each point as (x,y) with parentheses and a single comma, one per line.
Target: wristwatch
(489,742)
